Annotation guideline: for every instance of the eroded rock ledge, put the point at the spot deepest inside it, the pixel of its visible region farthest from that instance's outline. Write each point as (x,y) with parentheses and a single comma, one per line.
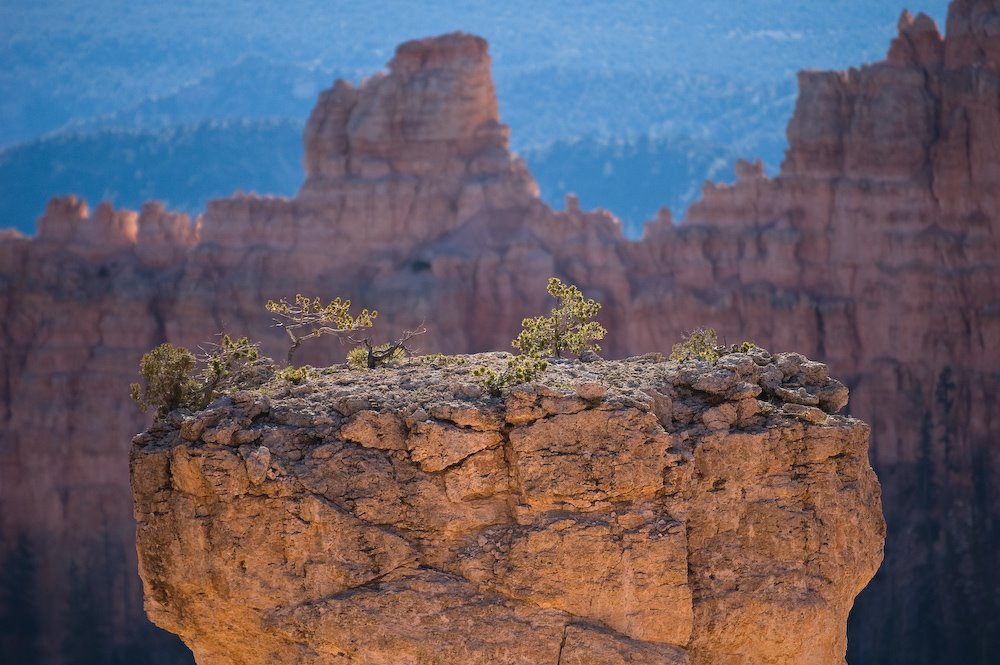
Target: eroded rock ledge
(634,511)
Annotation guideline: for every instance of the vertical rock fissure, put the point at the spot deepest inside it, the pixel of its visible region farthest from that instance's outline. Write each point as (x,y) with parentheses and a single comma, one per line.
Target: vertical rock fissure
(935,123)
(820,331)
(562,644)
(516,483)
(690,584)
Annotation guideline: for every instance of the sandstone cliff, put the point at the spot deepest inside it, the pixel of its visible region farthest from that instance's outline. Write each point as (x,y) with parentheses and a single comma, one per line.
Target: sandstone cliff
(647,512)
(875,249)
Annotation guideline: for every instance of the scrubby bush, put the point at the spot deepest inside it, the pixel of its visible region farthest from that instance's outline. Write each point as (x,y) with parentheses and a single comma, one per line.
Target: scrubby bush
(519,369)
(169,385)
(569,328)
(703,344)
(442,359)
(700,344)
(171,381)
(294,375)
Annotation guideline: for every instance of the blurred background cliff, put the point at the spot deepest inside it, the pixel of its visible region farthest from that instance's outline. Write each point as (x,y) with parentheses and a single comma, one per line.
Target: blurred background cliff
(631,105)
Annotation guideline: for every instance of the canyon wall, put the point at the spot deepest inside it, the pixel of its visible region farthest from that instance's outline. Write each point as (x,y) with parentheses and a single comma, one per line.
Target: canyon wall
(642,512)
(875,249)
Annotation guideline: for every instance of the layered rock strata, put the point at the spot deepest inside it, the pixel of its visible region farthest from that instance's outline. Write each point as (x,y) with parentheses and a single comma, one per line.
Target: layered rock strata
(876,249)
(643,512)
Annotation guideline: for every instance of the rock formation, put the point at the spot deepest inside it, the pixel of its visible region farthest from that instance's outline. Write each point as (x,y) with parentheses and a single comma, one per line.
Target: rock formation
(653,513)
(875,249)
(399,161)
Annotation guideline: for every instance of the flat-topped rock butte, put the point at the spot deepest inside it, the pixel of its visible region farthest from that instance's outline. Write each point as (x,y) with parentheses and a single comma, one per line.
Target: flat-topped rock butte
(645,512)
(875,249)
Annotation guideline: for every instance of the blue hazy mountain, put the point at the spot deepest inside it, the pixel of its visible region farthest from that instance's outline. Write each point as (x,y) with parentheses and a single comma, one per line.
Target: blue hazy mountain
(634,178)
(183,166)
(252,87)
(658,74)
(65,60)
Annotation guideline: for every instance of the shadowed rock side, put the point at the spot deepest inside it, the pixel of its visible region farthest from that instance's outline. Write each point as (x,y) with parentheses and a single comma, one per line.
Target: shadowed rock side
(875,249)
(650,513)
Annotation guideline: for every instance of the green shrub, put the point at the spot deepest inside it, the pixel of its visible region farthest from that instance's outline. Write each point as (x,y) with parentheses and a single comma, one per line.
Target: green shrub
(569,328)
(294,375)
(703,344)
(700,344)
(519,369)
(169,384)
(442,359)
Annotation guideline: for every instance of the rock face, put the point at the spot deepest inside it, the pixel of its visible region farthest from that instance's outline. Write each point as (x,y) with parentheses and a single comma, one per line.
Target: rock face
(877,249)
(655,513)
(887,208)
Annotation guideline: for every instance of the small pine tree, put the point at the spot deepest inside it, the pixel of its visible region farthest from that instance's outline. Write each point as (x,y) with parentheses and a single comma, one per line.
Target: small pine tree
(569,328)
(334,318)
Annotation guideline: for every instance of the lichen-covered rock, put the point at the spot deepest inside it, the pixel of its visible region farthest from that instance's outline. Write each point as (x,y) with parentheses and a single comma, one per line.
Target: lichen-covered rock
(432,526)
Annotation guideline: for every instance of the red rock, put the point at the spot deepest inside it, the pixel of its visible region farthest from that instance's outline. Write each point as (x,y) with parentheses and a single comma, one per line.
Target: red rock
(919,42)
